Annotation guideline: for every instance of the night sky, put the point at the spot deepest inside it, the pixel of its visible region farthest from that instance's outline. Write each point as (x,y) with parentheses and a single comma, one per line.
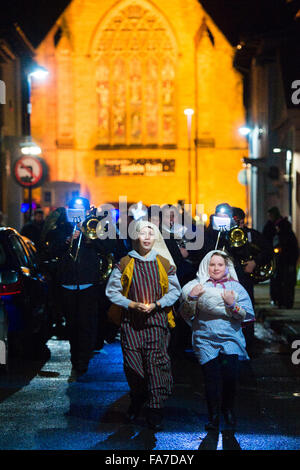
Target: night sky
(234,17)
(238,19)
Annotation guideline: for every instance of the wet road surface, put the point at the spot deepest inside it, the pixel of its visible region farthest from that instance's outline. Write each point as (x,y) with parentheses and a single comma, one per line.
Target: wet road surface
(40,410)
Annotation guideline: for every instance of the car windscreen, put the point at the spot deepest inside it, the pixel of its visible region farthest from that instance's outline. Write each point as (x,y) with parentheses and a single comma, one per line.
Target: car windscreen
(19,251)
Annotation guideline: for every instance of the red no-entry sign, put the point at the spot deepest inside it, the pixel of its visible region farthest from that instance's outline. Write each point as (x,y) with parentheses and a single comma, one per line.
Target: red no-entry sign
(29,171)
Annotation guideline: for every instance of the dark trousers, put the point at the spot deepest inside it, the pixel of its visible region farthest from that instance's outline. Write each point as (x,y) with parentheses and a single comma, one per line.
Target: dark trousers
(282,285)
(81,310)
(220,378)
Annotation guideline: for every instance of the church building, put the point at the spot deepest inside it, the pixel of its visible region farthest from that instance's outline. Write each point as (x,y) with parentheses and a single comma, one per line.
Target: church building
(141,101)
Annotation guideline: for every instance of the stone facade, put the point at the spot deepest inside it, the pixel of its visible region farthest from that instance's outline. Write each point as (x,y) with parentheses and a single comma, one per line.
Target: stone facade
(111,115)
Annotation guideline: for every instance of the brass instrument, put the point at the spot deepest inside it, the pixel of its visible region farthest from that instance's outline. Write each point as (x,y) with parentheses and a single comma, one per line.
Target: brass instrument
(89,227)
(262,273)
(92,228)
(238,239)
(106,268)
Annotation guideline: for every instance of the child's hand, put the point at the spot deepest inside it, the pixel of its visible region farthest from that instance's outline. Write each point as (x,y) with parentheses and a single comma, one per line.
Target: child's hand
(149,308)
(228,296)
(197,291)
(139,306)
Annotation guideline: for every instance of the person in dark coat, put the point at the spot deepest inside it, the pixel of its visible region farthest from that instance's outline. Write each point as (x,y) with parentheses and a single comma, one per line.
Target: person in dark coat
(78,276)
(279,231)
(33,229)
(257,248)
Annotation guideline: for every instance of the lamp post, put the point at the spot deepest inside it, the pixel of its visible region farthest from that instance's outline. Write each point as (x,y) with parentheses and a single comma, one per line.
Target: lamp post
(189,113)
(289,164)
(38,73)
(288,176)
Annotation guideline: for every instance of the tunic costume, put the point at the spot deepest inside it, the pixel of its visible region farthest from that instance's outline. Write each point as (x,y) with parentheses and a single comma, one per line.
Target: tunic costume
(145,337)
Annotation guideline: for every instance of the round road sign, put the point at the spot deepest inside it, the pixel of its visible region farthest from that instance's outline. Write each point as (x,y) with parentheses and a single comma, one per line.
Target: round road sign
(29,171)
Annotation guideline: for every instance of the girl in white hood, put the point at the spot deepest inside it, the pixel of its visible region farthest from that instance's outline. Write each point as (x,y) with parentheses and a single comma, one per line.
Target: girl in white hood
(215,305)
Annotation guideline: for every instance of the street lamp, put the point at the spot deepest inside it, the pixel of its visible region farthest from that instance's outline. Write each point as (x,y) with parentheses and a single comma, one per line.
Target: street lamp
(31,149)
(289,175)
(38,73)
(244,130)
(189,113)
(247,131)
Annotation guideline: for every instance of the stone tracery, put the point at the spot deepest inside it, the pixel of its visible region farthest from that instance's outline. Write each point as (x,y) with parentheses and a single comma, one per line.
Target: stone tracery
(135,78)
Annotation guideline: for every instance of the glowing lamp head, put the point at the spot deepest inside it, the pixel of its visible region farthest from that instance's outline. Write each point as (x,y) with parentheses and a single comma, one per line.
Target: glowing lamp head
(223,210)
(188,111)
(244,130)
(79,202)
(31,150)
(40,73)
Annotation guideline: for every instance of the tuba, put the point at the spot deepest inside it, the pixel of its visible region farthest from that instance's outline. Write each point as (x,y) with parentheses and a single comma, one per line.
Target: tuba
(247,251)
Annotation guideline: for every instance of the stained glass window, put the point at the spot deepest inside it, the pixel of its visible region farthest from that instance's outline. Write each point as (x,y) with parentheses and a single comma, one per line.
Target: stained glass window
(135,57)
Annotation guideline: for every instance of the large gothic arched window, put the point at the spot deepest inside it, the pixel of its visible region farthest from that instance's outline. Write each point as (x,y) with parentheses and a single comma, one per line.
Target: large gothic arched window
(135,78)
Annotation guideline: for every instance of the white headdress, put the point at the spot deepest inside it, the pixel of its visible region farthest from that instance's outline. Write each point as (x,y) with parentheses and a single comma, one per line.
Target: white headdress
(159,245)
(202,274)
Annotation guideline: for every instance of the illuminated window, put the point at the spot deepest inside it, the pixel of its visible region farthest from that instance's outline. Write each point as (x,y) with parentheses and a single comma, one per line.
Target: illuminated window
(135,78)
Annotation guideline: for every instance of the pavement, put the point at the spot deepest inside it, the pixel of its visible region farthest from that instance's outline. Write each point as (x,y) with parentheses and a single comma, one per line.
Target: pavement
(41,411)
(284,322)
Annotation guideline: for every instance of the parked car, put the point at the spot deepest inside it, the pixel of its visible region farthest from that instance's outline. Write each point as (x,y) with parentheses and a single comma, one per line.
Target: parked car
(25,325)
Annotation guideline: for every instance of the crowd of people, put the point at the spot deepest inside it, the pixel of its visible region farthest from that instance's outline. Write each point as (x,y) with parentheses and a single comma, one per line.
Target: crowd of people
(161,296)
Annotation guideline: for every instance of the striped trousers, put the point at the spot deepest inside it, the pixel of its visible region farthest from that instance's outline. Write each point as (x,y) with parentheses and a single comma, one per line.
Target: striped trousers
(147,365)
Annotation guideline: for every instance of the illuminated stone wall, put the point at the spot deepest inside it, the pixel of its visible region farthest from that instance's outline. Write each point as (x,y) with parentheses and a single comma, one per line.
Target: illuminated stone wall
(121,75)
